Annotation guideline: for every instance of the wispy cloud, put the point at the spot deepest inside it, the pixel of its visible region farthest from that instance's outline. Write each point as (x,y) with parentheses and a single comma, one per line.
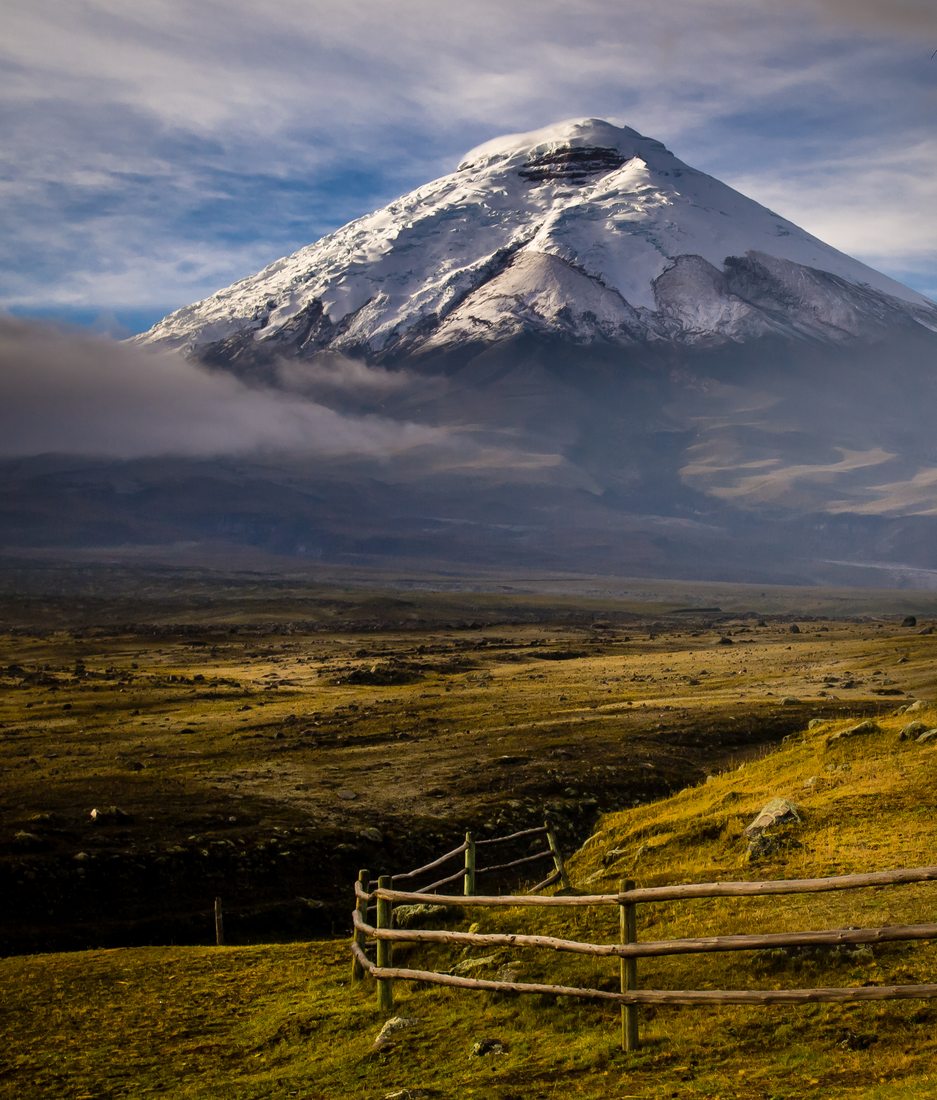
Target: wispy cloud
(872,198)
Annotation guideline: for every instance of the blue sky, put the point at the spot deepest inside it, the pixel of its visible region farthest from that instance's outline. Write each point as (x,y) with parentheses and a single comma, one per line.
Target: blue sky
(155,152)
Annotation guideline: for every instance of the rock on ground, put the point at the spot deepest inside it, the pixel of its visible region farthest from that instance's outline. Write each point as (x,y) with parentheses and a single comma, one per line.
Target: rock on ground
(779,811)
(858,730)
(391,1030)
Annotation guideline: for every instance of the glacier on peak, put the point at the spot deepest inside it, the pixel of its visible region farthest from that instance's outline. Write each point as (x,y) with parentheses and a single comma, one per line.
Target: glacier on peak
(573,133)
(582,229)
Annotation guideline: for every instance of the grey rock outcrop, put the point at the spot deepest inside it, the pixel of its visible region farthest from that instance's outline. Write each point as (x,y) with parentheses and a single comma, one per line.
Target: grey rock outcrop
(776,814)
(860,729)
(912,730)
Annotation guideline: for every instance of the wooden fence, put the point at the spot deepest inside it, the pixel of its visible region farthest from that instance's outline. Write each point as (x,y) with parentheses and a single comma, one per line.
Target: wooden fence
(629,950)
(469,870)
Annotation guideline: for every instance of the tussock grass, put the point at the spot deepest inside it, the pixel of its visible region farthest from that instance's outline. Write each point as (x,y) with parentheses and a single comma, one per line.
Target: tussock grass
(284,1021)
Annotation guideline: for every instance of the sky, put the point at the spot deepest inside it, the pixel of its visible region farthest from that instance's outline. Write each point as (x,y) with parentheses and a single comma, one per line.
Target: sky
(155,152)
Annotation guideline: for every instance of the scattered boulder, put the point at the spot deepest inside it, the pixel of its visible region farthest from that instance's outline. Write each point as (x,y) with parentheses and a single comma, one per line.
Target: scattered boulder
(423,915)
(814,722)
(390,1032)
(794,628)
(916,707)
(47,818)
(472,966)
(779,812)
(109,815)
(725,641)
(382,674)
(488,1046)
(790,701)
(860,729)
(909,620)
(22,838)
(912,730)
(926,630)
(928,737)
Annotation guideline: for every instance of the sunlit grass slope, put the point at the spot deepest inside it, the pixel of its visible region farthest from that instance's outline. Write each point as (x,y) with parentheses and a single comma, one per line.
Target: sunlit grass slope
(285,1021)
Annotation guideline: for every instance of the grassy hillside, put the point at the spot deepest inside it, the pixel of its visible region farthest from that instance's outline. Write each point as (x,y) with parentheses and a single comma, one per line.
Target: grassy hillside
(284,1021)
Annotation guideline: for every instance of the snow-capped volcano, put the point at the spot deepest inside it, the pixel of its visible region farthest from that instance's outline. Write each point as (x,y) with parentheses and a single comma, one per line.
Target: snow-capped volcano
(574,352)
(584,230)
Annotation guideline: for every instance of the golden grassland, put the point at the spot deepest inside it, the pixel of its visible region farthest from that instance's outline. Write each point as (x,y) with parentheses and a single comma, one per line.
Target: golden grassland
(279,1021)
(389,699)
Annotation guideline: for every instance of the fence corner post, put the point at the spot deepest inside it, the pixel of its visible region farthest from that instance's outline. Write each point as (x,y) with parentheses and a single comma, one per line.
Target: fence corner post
(361,908)
(385,915)
(557,855)
(629,968)
(468,886)
(219,924)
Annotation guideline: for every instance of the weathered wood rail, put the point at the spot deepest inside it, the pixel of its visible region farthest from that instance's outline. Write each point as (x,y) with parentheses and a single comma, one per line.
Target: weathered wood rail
(469,870)
(629,950)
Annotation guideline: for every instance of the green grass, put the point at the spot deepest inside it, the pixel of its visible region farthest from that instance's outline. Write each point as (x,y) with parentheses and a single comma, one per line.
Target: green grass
(283,1021)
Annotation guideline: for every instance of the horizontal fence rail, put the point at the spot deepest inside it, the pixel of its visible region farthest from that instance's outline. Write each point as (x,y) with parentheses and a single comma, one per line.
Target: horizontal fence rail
(656,949)
(833,994)
(440,882)
(539,830)
(629,950)
(428,866)
(690,891)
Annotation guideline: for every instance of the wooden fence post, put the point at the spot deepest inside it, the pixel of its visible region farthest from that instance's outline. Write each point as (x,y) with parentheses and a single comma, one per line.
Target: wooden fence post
(385,915)
(629,969)
(557,855)
(468,886)
(219,924)
(361,906)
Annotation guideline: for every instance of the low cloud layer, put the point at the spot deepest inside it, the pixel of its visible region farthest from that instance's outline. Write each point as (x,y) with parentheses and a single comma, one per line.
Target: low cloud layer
(66,392)
(330,376)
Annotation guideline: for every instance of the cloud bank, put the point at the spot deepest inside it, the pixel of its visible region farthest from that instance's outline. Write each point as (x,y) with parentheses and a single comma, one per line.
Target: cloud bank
(66,392)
